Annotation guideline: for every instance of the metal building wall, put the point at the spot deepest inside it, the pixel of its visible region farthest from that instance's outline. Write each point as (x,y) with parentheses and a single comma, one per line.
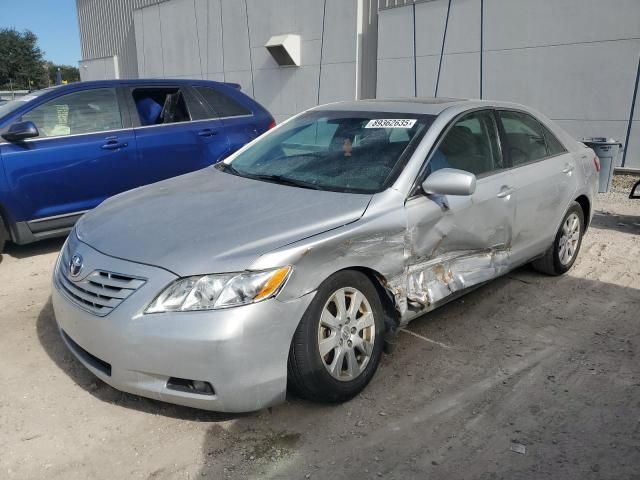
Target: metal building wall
(106,29)
(574,60)
(224,40)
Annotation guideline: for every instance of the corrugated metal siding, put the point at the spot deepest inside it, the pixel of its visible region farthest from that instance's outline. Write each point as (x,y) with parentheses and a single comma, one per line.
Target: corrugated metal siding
(386,4)
(106,29)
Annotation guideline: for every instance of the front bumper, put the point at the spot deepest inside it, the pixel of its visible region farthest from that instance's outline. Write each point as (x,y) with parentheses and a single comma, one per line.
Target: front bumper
(242,352)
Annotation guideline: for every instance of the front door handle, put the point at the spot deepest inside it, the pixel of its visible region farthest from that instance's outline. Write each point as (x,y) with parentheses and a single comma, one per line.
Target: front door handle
(568,168)
(207,132)
(506,191)
(113,144)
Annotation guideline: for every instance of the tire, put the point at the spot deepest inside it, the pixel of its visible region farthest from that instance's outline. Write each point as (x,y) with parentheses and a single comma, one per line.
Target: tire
(309,373)
(4,235)
(556,260)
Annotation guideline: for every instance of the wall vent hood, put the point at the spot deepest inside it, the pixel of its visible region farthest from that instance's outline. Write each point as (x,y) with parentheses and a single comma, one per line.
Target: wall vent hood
(285,49)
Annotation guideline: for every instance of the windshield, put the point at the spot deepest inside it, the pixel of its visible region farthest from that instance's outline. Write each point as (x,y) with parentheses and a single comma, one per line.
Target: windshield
(18,102)
(345,151)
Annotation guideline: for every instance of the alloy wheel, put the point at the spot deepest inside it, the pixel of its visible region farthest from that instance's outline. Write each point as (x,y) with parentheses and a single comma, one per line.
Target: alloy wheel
(346,334)
(569,240)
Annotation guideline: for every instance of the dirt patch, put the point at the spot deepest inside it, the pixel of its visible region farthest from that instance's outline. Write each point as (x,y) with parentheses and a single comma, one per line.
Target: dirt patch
(548,364)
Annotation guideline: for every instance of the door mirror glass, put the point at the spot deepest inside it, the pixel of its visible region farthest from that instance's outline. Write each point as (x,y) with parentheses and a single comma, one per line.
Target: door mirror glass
(450,181)
(20,131)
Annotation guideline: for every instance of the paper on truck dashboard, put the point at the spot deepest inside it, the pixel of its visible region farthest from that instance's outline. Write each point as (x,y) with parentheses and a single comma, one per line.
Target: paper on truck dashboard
(391,123)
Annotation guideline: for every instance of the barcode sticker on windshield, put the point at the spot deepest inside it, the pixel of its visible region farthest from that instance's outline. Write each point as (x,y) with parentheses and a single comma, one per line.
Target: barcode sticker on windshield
(391,123)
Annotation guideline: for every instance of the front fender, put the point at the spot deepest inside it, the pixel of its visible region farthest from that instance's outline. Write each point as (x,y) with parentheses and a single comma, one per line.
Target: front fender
(377,242)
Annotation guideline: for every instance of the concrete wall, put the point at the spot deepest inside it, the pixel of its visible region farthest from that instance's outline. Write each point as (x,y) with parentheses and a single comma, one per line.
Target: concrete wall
(224,40)
(574,60)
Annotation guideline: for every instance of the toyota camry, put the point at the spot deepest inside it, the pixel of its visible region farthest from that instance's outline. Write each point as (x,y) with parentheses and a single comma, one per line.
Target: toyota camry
(286,265)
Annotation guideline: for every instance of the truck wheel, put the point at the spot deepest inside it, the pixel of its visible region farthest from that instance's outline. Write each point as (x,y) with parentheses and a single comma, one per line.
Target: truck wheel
(337,346)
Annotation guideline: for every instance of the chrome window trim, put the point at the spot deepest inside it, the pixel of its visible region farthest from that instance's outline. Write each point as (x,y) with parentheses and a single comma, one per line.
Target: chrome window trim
(189,122)
(37,139)
(40,139)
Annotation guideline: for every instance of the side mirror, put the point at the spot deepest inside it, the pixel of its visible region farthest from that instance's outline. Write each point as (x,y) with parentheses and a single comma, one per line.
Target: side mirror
(450,181)
(20,131)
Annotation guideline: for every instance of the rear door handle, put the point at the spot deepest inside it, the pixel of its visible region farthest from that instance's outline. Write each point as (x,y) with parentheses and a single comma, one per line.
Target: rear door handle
(568,168)
(506,191)
(207,132)
(113,144)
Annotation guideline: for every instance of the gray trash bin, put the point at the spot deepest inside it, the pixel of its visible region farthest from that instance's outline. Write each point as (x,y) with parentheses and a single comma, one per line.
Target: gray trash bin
(607,151)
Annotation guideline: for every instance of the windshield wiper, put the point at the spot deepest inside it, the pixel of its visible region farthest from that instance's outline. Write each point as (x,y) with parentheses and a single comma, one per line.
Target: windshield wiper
(285,181)
(227,167)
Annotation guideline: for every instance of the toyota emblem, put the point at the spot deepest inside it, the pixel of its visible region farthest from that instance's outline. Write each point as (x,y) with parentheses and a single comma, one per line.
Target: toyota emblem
(75,265)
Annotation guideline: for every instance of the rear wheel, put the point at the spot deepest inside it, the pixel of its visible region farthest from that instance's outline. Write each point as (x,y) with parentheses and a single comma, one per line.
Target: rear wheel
(337,347)
(564,251)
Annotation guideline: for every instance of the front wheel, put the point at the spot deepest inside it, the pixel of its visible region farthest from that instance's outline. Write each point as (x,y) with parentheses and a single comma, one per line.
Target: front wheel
(4,235)
(566,245)
(337,346)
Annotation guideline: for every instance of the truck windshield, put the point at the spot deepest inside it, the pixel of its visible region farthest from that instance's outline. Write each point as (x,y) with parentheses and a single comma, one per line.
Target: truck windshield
(346,151)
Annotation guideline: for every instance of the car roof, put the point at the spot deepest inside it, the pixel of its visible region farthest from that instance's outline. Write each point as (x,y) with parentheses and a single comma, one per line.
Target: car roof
(417,105)
(141,81)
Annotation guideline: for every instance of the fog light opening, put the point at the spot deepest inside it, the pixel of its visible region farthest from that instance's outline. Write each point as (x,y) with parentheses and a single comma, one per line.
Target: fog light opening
(190,386)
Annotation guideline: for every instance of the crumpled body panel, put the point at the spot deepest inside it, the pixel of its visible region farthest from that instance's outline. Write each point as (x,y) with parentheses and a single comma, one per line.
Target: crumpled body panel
(430,282)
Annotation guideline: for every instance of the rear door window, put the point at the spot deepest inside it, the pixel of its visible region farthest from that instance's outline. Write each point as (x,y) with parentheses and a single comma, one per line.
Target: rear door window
(221,104)
(553,144)
(525,137)
(76,113)
(471,144)
(160,105)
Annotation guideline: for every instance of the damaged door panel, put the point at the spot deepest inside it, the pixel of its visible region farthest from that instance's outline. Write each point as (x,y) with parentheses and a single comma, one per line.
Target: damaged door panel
(431,282)
(457,246)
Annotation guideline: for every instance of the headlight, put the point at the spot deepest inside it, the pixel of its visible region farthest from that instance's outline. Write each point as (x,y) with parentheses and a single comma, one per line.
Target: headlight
(207,292)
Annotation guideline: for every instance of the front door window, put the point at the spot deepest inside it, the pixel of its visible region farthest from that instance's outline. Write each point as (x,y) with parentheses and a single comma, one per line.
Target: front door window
(87,111)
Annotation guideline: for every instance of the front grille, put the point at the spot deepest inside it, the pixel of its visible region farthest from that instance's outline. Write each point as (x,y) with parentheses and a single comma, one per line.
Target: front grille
(99,292)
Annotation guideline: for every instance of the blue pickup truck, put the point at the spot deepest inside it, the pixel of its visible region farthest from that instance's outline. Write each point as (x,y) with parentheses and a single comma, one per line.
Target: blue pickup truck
(64,150)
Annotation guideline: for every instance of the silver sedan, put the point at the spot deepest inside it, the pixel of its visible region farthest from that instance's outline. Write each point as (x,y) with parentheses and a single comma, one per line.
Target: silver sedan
(289,263)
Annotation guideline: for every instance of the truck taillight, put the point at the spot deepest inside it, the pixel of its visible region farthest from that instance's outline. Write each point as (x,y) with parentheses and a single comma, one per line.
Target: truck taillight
(272,124)
(596,163)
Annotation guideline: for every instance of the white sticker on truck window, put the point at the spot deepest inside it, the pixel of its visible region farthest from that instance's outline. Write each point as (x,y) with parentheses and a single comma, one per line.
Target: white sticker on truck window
(391,123)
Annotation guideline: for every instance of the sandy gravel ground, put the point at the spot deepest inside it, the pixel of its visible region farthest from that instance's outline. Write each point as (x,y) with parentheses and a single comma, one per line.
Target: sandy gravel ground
(531,377)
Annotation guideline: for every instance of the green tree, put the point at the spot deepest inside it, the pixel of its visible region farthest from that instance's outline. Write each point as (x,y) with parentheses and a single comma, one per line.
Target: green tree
(68,72)
(21,60)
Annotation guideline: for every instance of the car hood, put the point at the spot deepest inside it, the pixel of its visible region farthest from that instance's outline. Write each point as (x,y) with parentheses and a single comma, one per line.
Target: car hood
(209,221)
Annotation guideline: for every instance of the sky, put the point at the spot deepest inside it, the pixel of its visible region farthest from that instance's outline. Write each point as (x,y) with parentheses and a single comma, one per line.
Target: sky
(55,22)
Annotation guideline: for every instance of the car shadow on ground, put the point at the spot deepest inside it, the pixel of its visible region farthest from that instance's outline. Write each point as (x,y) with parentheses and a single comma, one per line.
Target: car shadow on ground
(49,337)
(42,247)
(620,223)
(506,368)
